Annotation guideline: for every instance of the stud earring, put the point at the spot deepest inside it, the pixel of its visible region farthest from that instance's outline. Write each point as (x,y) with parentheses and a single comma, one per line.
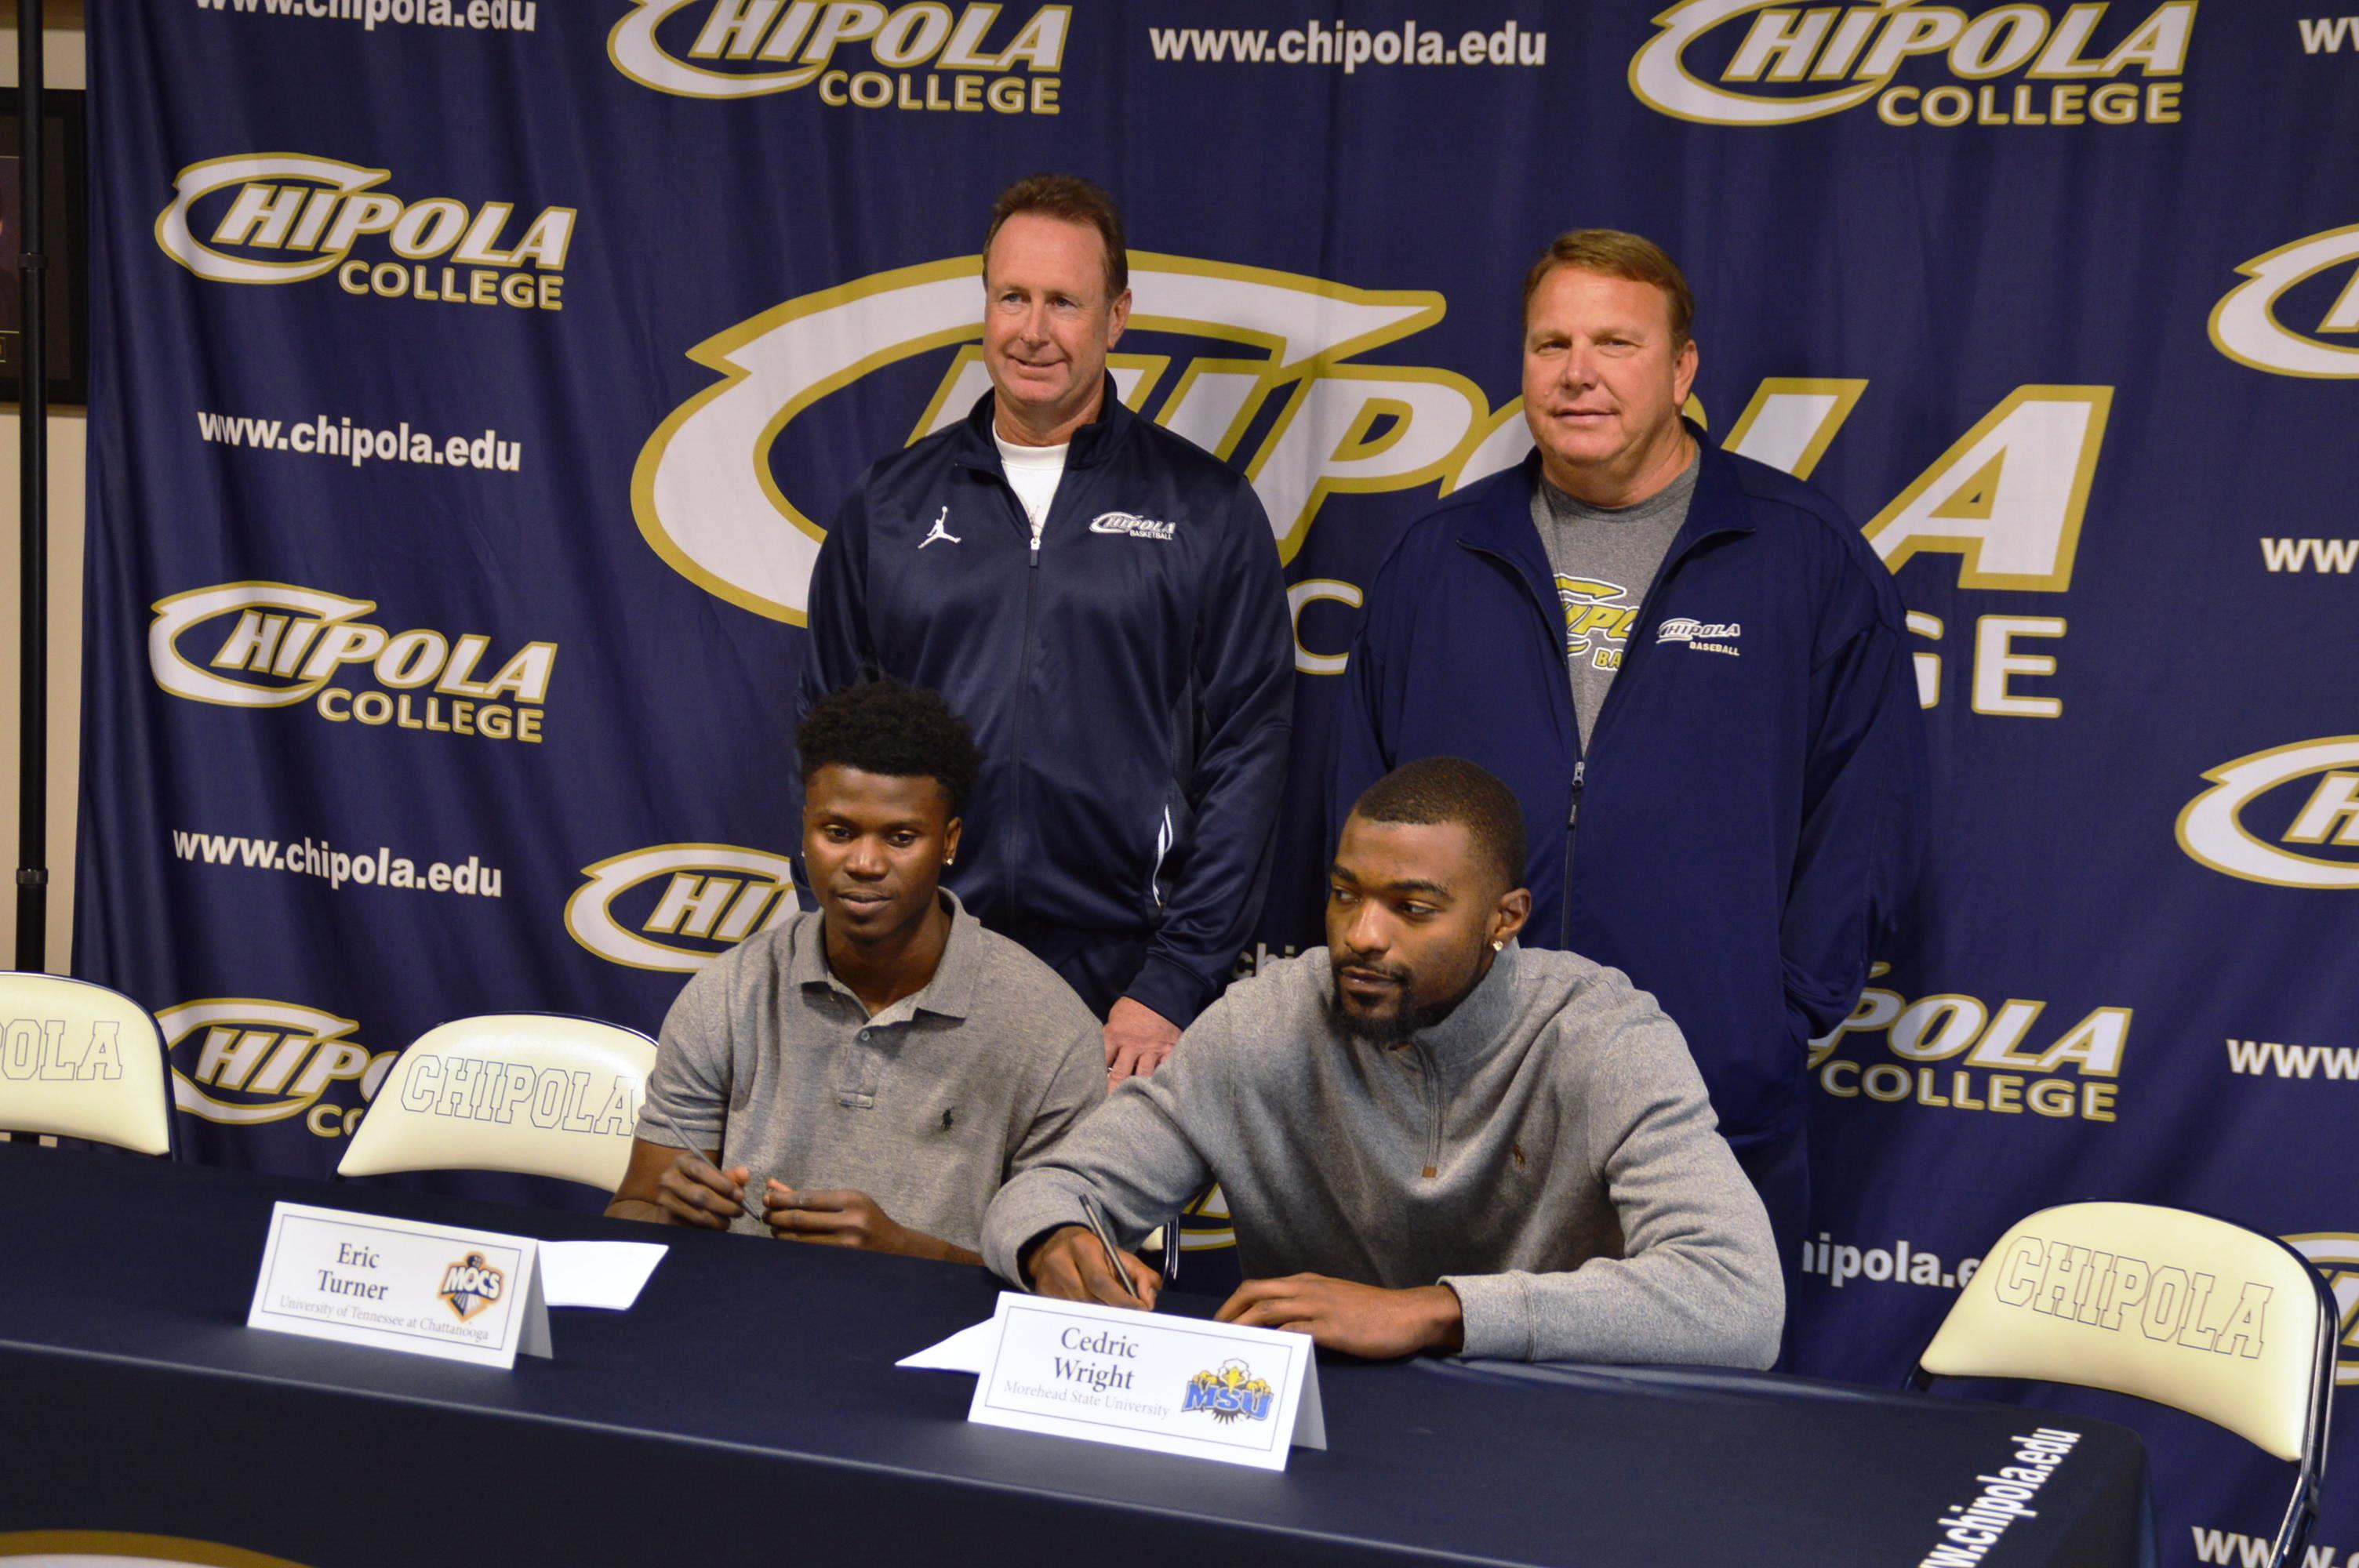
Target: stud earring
(1498,946)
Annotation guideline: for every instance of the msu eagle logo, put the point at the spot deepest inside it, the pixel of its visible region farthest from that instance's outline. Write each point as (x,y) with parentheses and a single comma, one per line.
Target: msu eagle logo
(471,1285)
(1230,1393)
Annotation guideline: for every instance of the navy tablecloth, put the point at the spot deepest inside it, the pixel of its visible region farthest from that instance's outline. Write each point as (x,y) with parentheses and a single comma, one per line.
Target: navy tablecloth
(747,1410)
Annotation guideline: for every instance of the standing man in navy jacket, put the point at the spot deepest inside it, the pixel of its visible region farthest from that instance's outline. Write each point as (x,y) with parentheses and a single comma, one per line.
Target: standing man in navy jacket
(1693,663)
(1101,600)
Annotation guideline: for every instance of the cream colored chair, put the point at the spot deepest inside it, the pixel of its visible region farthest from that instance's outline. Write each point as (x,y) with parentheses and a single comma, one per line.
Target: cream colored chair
(2179,1308)
(78,1060)
(536,1093)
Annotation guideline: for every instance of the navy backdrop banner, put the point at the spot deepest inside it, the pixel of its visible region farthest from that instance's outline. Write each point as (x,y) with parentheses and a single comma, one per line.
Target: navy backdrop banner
(473,384)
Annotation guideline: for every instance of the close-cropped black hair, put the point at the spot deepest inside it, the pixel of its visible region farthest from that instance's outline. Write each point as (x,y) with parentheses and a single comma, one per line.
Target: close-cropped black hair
(901,732)
(1451,789)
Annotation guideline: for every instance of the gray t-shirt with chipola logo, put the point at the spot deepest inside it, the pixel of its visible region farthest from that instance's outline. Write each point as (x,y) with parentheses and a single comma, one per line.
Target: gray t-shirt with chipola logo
(1602,558)
(927,1107)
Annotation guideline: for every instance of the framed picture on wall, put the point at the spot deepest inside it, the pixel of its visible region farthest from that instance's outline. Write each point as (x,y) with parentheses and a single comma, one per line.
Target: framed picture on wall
(68,302)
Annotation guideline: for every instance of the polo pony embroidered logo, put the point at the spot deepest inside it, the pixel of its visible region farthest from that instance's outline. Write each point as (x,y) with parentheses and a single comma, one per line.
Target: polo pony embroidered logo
(940,531)
(1131,524)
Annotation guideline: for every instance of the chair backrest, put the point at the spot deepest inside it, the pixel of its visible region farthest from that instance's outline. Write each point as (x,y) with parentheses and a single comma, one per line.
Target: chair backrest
(532,1093)
(2180,1308)
(78,1060)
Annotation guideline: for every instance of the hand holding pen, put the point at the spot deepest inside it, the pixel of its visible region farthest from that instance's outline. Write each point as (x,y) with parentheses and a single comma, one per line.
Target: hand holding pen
(695,1190)
(1082,1263)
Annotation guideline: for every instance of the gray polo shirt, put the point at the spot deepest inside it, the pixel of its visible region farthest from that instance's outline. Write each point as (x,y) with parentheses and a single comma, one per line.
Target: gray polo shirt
(928,1107)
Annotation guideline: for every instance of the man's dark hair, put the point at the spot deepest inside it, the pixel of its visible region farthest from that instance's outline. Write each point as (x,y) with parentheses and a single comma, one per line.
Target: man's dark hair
(901,732)
(1451,789)
(1075,200)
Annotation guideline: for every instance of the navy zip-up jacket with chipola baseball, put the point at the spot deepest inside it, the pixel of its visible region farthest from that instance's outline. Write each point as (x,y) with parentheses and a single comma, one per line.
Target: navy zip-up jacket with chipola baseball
(1129,679)
(1751,808)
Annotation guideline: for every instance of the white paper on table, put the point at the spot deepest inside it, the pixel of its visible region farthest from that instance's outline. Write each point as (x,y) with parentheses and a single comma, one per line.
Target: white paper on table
(968,1350)
(607,1274)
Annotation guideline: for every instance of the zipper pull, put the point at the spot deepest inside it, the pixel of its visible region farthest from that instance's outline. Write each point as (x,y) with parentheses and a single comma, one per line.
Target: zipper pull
(1036,549)
(1572,817)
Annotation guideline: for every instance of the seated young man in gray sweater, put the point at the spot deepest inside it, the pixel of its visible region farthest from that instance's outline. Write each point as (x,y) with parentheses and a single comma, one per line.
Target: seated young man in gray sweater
(868,1072)
(1430,1138)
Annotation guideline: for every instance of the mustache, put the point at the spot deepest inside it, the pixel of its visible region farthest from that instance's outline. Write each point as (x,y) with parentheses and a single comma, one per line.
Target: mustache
(1351,963)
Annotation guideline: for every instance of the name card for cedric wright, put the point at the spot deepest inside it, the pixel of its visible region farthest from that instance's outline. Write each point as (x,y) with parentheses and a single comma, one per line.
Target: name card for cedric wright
(399,1284)
(1175,1385)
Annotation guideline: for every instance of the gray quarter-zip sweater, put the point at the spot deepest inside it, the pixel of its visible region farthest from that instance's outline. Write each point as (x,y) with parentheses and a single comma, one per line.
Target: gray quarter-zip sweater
(1547,1151)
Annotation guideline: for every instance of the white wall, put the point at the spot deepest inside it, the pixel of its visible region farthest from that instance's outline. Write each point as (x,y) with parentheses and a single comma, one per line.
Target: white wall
(62,41)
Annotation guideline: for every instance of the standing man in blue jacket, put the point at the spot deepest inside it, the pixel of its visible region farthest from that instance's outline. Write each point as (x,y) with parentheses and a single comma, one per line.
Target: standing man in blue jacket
(1101,600)
(1692,662)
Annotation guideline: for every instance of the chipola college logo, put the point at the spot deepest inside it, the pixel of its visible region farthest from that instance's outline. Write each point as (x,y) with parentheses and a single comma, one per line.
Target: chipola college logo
(2218,826)
(471,1285)
(2335,1254)
(1790,64)
(244,1061)
(288,645)
(290,216)
(2248,324)
(1290,405)
(921,56)
(708,502)
(1132,524)
(677,907)
(1949,1050)
(1597,617)
(1231,1393)
(1701,636)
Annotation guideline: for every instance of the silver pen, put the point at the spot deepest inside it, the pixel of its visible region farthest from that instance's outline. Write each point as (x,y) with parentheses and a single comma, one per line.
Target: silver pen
(1097,1219)
(647,1108)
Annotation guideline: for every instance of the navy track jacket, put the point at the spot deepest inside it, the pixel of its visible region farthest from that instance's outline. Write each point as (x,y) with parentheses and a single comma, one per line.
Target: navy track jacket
(1130,680)
(1752,812)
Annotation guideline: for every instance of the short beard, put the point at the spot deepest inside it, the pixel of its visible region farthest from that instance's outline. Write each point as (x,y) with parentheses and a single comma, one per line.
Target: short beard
(1406,1018)
(1395,1028)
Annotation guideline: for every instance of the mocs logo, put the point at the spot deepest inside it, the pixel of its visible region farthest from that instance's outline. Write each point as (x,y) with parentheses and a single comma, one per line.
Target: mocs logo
(2335,1254)
(924,56)
(287,645)
(471,1285)
(1952,1052)
(677,907)
(2314,275)
(242,1060)
(290,216)
(1790,64)
(2275,816)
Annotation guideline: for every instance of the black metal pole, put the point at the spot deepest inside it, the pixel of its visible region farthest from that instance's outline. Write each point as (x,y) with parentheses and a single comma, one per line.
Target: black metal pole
(33,510)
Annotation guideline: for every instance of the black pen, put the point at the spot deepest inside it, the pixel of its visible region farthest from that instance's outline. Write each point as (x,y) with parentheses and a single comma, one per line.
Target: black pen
(1097,1219)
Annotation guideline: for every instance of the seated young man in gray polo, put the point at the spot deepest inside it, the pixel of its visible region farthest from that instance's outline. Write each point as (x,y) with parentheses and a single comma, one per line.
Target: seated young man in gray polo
(866,1074)
(1431,1139)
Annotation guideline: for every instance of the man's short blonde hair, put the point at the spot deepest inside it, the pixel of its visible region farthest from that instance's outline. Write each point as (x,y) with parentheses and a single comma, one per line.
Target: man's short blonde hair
(1611,253)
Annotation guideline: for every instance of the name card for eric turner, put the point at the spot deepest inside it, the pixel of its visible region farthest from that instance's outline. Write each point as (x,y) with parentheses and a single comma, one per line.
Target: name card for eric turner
(399,1284)
(1175,1385)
